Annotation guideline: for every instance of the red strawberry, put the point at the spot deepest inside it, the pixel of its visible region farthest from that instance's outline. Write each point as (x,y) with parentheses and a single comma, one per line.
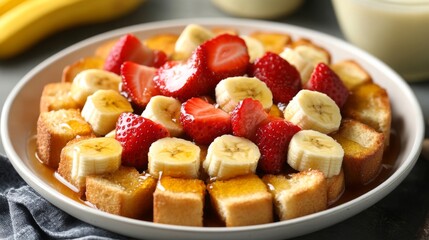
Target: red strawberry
(272,139)
(160,58)
(324,80)
(227,56)
(203,122)
(281,77)
(246,117)
(136,134)
(183,80)
(137,83)
(128,48)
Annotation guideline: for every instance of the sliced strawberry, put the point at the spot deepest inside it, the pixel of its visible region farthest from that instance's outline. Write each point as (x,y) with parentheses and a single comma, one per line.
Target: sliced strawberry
(272,139)
(324,80)
(128,48)
(227,56)
(246,117)
(160,58)
(184,80)
(203,122)
(282,78)
(137,83)
(136,134)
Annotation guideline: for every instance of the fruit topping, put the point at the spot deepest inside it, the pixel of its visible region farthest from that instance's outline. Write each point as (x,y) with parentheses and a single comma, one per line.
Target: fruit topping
(246,117)
(323,79)
(203,122)
(136,134)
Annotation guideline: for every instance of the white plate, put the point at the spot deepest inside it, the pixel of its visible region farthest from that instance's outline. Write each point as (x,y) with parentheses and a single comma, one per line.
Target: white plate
(20,113)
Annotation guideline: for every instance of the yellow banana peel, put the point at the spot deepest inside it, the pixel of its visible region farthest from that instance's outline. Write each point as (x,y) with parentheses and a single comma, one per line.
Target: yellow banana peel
(25,22)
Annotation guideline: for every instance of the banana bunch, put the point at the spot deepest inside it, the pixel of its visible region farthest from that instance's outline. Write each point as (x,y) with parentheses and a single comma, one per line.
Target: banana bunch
(25,22)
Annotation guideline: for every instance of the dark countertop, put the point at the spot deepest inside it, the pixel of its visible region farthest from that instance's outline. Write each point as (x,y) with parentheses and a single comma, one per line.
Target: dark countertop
(400,215)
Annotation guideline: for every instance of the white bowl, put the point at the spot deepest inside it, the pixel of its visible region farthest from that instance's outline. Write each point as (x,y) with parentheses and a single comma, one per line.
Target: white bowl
(20,113)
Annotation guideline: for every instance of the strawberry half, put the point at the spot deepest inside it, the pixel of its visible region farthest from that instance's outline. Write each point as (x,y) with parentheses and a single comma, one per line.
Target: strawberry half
(246,117)
(137,84)
(282,78)
(128,48)
(136,134)
(272,139)
(227,56)
(203,122)
(324,80)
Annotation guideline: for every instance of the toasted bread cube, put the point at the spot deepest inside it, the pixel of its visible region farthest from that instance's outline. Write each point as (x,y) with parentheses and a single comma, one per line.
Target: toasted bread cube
(242,201)
(162,42)
(70,71)
(336,186)
(179,201)
(65,166)
(273,42)
(363,151)
(298,194)
(55,96)
(351,73)
(124,192)
(55,129)
(224,30)
(369,103)
(103,50)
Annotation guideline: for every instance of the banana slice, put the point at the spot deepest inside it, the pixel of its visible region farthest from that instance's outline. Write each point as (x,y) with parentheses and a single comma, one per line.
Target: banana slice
(230,91)
(254,47)
(313,110)
(305,57)
(95,156)
(102,109)
(229,156)
(174,157)
(309,149)
(190,38)
(165,111)
(88,81)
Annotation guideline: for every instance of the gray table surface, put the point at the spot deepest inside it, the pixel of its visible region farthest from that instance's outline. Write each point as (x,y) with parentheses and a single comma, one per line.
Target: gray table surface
(400,215)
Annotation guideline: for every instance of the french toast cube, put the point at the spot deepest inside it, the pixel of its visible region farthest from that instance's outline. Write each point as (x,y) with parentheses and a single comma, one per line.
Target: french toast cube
(65,166)
(298,194)
(55,129)
(369,103)
(272,41)
(363,151)
(55,96)
(336,186)
(351,73)
(124,192)
(70,71)
(179,201)
(241,201)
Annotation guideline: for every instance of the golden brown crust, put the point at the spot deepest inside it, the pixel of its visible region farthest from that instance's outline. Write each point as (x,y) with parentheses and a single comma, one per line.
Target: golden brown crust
(129,200)
(272,41)
(172,206)
(336,186)
(248,204)
(55,129)
(351,73)
(298,194)
(308,43)
(363,151)
(55,96)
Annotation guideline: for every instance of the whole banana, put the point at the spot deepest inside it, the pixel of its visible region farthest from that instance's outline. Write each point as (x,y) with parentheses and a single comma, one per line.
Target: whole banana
(27,22)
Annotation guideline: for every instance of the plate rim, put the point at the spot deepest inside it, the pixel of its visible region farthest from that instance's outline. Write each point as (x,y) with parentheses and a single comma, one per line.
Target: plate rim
(38,184)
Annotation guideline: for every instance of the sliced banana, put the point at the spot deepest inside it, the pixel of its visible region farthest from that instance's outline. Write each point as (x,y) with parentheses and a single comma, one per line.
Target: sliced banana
(95,156)
(309,149)
(305,57)
(174,157)
(165,111)
(313,110)
(102,109)
(229,156)
(255,48)
(88,81)
(191,37)
(230,91)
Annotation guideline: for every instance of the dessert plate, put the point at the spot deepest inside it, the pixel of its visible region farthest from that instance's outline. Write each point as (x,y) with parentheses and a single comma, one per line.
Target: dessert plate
(20,114)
